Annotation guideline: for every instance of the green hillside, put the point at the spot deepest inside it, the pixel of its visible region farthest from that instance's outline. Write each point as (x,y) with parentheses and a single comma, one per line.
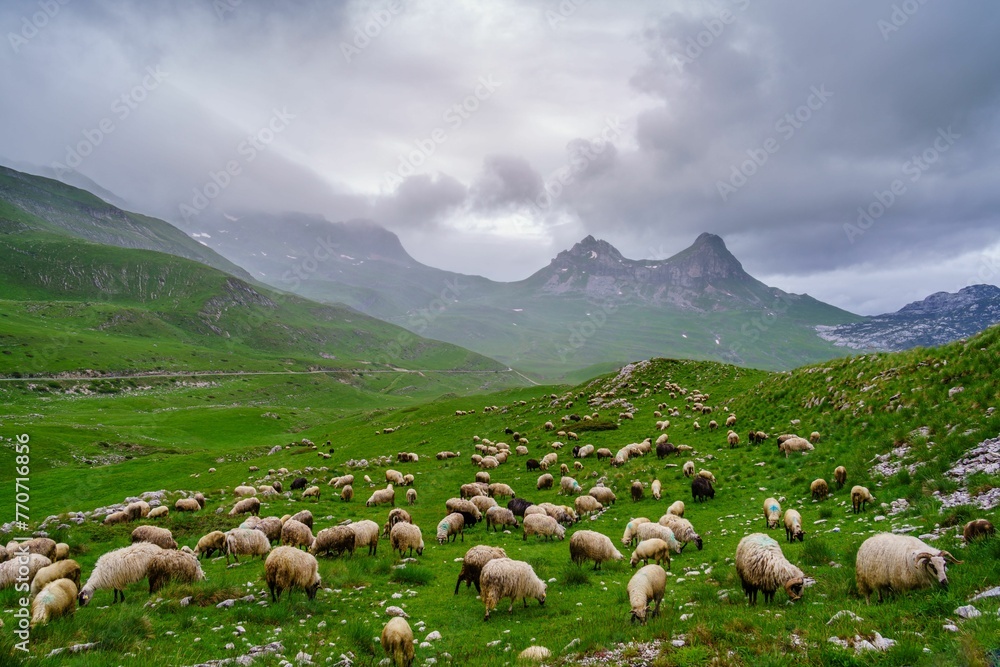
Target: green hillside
(92,449)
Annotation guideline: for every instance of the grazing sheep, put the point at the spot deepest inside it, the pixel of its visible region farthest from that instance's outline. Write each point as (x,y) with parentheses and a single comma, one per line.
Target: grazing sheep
(544,525)
(296,534)
(63,569)
(762,567)
(506,578)
(58,598)
(299,483)
(210,543)
(473,562)
(137,510)
(683,530)
(158,512)
(793,526)
(408,480)
(676,508)
(586,505)
(397,642)
(483,476)
(701,488)
(161,537)
(548,460)
(502,490)
(468,510)
(287,568)
(646,585)
(795,444)
(549,426)
(712,425)
(584,452)
(978,529)
(519,505)
(244,490)
(42,546)
(411,496)
(656,488)
(342,481)
(311,492)
(637,491)
(117,569)
(382,496)
(11,571)
(335,540)
(772,513)
(168,566)
(707,475)
(664,448)
(347,493)
(521,450)
(631,528)
(405,536)
(688,468)
(733,438)
(245,542)
(840,476)
(860,497)
(187,505)
(366,535)
(246,506)
(451,526)
(569,486)
(489,462)
(814,437)
(603,494)
(473,490)
(649,549)
(695,425)
(545,482)
(394,477)
(648,531)
(532,464)
(62,552)
(819,489)
(899,563)
(730,421)
(534,654)
(604,453)
(500,516)
(591,545)
(483,503)
(561,513)
(271,527)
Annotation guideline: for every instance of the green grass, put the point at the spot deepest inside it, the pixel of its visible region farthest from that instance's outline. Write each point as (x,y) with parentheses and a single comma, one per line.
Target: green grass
(175,432)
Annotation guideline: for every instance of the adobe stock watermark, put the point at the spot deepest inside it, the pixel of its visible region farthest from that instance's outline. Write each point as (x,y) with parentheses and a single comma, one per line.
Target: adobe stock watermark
(566,8)
(454,117)
(451,292)
(913,169)
(371,28)
(786,126)
(583,330)
(121,108)
(578,164)
(20,554)
(246,152)
(899,16)
(32,25)
(714,26)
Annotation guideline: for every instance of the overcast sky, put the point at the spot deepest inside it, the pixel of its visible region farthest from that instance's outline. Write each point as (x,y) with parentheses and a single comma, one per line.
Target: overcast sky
(491,135)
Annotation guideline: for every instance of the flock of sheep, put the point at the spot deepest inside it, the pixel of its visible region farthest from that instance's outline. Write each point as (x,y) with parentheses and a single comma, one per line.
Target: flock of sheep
(885,562)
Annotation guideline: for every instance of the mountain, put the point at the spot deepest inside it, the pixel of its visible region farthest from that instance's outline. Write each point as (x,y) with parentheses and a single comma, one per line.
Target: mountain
(37,203)
(588,310)
(941,318)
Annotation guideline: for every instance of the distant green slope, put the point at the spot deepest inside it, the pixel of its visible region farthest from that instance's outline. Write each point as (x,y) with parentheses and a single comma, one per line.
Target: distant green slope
(29,202)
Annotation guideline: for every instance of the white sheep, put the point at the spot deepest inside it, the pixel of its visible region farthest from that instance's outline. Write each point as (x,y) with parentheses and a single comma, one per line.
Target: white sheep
(506,578)
(341,482)
(793,526)
(591,545)
(707,475)
(117,569)
(296,534)
(500,516)
(451,526)
(11,571)
(647,531)
(411,496)
(483,503)
(889,562)
(587,504)
(397,642)
(648,584)
(155,534)
(245,542)
(335,540)
(545,481)
(630,529)
(244,490)
(246,506)
(762,567)
(366,535)
(187,505)
(819,489)
(170,565)
(158,512)
(688,468)
(501,490)
(210,543)
(772,512)
(382,496)
(840,476)
(683,530)
(676,508)
(569,486)
(656,489)
(311,492)
(795,444)
(62,569)
(473,562)
(347,493)
(405,536)
(650,549)
(287,568)
(603,494)
(544,525)
(58,598)
(860,496)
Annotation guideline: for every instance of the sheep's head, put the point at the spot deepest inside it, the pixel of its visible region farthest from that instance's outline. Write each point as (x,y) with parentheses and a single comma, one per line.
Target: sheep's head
(313,587)
(84,597)
(698,542)
(934,566)
(639,616)
(799,535)
(794,588)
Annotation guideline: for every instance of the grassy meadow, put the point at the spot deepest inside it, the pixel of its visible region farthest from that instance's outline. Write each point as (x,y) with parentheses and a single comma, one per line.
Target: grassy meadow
(89,450)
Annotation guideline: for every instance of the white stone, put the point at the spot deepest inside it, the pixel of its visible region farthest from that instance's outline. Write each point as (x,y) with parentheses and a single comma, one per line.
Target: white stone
(968,611)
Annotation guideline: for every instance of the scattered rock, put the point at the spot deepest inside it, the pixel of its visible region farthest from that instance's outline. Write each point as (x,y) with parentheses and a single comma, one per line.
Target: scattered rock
(968,611)
(992,593)
(396,611)
(844,613)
